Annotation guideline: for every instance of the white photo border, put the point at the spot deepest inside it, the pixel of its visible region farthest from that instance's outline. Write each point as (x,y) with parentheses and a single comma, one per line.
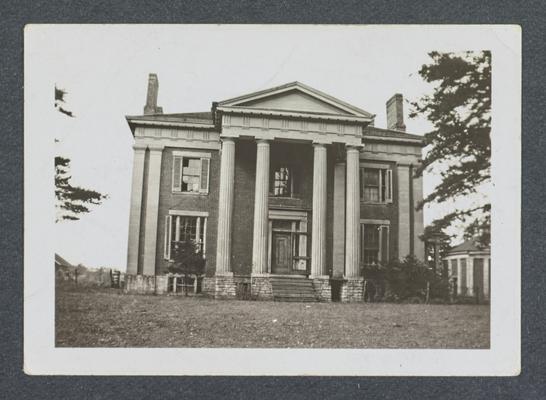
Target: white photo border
(41,357)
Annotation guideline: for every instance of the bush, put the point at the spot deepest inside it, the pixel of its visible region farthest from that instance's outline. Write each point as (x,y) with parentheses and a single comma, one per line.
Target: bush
(187,260)
(404,281)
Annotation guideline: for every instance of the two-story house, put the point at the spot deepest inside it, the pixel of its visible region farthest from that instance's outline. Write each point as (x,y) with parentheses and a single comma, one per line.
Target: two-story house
(287,184)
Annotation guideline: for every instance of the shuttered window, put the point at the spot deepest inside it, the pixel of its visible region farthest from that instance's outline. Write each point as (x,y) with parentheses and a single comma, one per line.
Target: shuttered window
(190,173)
(376,185)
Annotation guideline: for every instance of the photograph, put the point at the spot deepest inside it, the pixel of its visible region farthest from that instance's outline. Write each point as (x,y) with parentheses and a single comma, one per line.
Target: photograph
(272,187)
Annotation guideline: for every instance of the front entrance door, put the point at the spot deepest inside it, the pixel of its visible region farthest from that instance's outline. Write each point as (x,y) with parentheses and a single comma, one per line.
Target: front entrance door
(281,262)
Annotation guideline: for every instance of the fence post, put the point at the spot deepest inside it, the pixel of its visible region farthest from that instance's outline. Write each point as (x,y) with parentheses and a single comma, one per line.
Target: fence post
(427,299)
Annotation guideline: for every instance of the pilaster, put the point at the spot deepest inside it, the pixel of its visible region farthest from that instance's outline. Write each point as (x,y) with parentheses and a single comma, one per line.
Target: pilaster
(403,175)
(152,209)
(135,210)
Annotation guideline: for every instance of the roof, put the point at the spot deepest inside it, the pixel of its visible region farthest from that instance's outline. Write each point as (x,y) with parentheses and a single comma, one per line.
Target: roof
(298,86)
(194,117)
(61,261)
(373,132)
(468,246)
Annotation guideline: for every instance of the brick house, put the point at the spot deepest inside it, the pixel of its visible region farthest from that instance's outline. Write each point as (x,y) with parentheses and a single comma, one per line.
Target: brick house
(284,188)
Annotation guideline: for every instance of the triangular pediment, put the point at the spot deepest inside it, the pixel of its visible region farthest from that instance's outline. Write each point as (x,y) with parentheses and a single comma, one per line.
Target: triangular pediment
(296,97)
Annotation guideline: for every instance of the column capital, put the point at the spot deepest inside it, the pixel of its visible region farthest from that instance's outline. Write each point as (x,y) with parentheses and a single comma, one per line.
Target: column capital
(354,147)
(140,147)
(156,147)
(227,139)
(319,145)
(262,142)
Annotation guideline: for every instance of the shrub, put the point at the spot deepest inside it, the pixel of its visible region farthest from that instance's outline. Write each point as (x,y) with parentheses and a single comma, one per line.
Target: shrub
(404,281)
(187,260)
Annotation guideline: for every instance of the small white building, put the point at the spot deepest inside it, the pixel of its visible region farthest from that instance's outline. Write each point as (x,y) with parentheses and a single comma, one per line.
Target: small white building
(469,265)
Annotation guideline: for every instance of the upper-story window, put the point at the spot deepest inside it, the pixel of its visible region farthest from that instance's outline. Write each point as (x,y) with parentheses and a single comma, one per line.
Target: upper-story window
(376,185)
(282,181)
(191,172)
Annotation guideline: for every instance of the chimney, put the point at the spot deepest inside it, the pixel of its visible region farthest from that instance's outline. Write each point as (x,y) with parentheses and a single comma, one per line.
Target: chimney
(395,113)
(151,98)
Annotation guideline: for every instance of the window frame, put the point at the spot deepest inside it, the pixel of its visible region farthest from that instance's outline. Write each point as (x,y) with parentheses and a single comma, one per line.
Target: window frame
(178,157)
(385,180)
(382,225)
(292,180)
(172,220)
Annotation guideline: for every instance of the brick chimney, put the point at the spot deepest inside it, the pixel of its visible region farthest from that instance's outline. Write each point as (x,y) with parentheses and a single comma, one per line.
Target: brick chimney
(395,113)
(151,98)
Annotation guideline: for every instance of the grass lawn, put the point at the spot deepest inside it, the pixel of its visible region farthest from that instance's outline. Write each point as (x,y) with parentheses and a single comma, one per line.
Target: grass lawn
(108,318)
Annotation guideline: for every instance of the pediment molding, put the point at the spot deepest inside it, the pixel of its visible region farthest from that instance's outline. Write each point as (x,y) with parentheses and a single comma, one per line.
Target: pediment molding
(312,100)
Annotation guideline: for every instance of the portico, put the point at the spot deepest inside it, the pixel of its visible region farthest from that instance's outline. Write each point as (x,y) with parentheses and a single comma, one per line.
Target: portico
(281,242)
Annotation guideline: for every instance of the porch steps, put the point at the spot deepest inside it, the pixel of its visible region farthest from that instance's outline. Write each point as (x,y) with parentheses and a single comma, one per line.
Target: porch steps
(297,289)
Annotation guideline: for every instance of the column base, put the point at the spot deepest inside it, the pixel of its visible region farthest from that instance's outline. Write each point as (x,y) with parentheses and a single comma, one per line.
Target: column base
(322,287)
(145,284)
(352,290)
(220,286)
(260,287)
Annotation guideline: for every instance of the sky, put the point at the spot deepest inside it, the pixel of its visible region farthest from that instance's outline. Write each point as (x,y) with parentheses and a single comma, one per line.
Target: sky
(105,69)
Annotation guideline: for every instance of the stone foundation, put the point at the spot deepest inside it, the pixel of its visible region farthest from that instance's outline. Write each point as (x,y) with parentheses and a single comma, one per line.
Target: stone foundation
(322,287)
(145,284)
(261,288)
(352,290)
(220,286)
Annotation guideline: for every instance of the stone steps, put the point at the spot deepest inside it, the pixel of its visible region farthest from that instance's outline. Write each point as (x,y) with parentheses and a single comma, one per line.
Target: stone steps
(294,289)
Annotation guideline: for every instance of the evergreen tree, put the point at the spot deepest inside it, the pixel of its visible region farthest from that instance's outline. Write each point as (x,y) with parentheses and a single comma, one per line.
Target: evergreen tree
(70,200)
(460,144)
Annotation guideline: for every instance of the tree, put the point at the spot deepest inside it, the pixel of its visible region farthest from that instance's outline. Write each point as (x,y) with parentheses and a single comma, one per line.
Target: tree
(71,201)
(459,144)
(187,260)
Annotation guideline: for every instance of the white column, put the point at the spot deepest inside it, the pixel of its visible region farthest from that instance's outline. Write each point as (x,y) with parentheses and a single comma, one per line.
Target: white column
(152,209)
(418,220)
(318,239)
(403,211)
(352,222)
(136,209)
(486,264)
(225,208)
(261,209)
(459,277)
(470,276)
(339,219)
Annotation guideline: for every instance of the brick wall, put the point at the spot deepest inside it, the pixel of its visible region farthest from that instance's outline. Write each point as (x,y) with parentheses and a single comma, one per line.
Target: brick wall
(243,207)
(385,211)
(188,202)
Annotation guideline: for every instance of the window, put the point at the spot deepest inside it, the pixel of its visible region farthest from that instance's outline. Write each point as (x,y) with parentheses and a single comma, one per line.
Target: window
(374,246)
(376,185)
(181,228)
(191,172)
(283,181)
